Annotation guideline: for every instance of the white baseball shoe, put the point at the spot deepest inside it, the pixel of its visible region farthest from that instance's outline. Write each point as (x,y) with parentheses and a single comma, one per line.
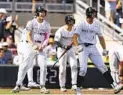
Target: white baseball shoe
(44,90)
(23,88)
(78,91)
(33,85)
(63,89)
(118,88)
(16,89)
(74,87)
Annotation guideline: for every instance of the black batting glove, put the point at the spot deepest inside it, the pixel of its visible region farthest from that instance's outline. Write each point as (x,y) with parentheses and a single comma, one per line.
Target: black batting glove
(67,47)
(105,52)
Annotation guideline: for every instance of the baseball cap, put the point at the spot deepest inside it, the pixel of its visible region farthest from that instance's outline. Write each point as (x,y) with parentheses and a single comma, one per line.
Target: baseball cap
(2,10)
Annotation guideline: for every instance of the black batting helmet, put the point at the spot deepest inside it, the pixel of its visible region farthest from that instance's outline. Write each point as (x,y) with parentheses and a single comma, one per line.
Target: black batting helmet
(69,18)
(89,12)
(40,9)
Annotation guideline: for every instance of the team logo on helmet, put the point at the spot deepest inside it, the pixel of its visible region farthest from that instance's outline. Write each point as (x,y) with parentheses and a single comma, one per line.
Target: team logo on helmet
(89,12)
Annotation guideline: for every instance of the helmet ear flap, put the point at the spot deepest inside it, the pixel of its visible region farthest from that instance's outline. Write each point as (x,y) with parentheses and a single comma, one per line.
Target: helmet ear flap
(37,14)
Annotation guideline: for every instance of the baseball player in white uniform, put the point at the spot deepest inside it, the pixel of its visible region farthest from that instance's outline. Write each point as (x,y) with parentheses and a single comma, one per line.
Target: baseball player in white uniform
(18,60)
(37,37)
(116,63)
(85,37)
(63,38)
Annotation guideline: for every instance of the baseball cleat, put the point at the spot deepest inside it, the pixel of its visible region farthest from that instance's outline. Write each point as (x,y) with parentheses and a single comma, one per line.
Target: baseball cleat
(118,88)
(63,89)
(78,91)
(44,90)
(33,85)
(74,87)
(23,88)
(16,89)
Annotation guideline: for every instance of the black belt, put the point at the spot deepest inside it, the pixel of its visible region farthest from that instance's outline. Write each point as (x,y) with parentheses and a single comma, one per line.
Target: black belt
(87,44)
(24,41)
(38,41)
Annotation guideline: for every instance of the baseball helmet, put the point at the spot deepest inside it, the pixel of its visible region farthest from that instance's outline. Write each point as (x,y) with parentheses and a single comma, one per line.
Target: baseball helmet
(89,12)
(69,18)
(40,9)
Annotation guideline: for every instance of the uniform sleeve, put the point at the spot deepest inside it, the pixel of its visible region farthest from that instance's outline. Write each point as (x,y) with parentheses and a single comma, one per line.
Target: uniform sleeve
(47,35)
(57,35)
(29,26)
(78,29)
(98,31)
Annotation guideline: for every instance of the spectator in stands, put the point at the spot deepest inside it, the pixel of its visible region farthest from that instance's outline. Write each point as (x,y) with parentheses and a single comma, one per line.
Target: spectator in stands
(119,12)
(51,51)
(110,10)
(2,59)
(7,53)
(121,20)
(3,24)
(13,27)
(11,45)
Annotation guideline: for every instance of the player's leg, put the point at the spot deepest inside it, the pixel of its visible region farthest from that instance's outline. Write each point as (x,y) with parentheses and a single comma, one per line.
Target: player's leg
(31,82)
(83,59)
(98,61)
(62,69)
(23,67)
(114,66)
(73,64)
(41,60)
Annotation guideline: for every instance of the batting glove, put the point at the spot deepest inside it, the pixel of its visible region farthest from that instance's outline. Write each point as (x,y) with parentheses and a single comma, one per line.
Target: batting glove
(34,47)
(67,47)
(105,52)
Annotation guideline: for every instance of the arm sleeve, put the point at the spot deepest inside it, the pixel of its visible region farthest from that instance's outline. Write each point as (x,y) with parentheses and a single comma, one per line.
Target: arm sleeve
(57,38)
(78,29)
(47,34)
(98,31)
(29,26)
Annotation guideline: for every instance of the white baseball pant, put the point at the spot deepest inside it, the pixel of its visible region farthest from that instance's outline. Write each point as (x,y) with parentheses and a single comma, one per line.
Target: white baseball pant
(70,57)
(94,55)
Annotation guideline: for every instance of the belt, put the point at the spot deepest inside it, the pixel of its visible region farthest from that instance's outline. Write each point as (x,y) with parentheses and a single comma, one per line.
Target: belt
(24,41)
(38,41)
(87,44)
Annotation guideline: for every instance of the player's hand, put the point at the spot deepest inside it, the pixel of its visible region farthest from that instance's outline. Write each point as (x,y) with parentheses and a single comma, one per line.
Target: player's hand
(41,48)
(67,47)
(35,47)
(105,52)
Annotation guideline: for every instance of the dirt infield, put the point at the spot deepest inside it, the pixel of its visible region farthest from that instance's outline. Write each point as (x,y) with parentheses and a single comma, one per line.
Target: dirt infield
(7,91)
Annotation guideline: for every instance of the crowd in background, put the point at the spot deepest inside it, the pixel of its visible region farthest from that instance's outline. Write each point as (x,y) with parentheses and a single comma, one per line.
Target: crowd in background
(7,28)
(113,12)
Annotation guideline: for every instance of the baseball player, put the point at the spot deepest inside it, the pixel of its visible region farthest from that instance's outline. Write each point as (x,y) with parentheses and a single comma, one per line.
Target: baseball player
(37,37)
(18,60)
(85,37)
(116,64)
(63,38)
